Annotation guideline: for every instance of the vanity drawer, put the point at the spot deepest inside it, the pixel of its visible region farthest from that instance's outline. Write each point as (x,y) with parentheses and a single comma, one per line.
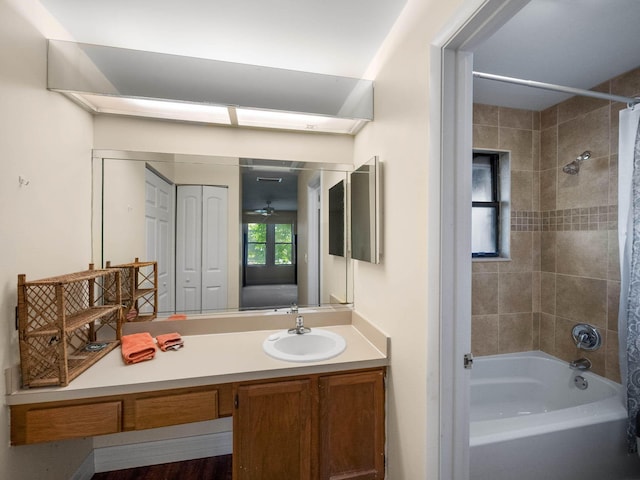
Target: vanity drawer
(59,423)
(175,409)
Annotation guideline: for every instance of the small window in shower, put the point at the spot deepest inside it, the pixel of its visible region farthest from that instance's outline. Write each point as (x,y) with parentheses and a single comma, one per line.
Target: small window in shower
(490,171)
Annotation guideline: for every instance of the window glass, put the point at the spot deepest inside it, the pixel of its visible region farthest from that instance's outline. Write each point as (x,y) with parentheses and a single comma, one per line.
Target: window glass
(256,244)
(483,221)
(283,233)
(482,179)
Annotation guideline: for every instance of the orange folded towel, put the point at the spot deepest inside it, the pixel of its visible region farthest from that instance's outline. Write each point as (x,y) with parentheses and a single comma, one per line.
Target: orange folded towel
(171,341)
(137,347)
(177,316)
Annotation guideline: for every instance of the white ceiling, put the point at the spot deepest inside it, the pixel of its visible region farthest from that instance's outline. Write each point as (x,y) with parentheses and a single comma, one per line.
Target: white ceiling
(336,37)
(577,43)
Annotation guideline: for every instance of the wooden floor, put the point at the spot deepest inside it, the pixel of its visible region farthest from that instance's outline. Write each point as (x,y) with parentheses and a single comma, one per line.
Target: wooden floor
(211,468)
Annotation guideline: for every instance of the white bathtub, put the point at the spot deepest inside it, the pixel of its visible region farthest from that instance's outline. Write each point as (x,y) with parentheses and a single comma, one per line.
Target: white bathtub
(530,421)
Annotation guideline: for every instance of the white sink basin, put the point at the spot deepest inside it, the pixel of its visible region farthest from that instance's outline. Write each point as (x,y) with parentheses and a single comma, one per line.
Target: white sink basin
(313,346)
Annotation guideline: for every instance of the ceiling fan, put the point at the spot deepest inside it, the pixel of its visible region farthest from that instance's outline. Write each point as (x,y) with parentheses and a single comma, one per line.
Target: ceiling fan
(266,211)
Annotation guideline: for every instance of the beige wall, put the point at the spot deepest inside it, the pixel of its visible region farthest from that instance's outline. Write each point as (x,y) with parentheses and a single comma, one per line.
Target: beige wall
(566,243)
(394,294)
(46,224)
(122,133)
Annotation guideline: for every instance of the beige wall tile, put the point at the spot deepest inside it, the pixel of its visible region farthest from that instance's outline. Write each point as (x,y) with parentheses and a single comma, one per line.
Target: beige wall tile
(612,360)
(627,84)
(535,191)
(587,189)
(549,117)
(613,305)
(582,300)
(548,189)
(536,120)
(582,253)
(578,105)
(516,118)
(515,333)
(548,251)
(484,292)
(485,137)
(521,253)
(548,293)
(548,333)
(482,266)
(614,257)
(515,293)
(613,180)
(535,291)
(521,190)
(535,152)
(536,252)
(549,148)
(535,331)
(519,142)
(485,114)
(587,132)
(484,335)
(614,126)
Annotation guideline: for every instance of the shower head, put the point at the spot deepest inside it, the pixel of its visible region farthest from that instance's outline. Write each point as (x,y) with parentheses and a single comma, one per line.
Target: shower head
(573,168)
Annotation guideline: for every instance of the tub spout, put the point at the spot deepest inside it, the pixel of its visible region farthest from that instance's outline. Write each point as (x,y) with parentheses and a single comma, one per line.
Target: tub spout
(581,364)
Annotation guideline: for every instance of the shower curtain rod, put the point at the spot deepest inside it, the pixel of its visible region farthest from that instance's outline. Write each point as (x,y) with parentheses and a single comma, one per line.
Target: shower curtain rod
(630,101)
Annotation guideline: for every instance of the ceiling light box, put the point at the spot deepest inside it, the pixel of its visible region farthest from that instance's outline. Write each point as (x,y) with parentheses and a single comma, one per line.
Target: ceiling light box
(133,82)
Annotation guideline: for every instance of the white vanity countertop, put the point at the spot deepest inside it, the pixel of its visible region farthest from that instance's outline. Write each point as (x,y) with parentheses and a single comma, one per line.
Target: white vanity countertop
(206,359)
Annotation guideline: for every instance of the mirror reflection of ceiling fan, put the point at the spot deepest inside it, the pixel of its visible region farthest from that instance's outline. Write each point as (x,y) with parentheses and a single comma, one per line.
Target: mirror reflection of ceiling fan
(266,211)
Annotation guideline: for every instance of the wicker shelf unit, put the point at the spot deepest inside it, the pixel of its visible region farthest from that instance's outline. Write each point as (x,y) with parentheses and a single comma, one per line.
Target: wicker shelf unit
(63,322)
(139,289)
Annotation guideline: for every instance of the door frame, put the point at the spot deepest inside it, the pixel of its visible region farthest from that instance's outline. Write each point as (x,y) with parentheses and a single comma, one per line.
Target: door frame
(449,334)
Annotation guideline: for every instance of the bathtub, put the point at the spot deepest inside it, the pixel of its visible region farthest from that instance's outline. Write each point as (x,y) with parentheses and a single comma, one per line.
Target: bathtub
(530,421)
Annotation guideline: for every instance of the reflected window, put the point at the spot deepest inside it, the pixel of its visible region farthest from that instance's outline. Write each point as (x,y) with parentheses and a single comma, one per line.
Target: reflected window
(270,244)
(256,244)
(283,234)
(485,218)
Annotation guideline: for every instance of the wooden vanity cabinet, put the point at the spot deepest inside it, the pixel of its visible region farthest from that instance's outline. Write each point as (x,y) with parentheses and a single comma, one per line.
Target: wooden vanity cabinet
(328,426)
(351,426)
(272,431)
(52,421)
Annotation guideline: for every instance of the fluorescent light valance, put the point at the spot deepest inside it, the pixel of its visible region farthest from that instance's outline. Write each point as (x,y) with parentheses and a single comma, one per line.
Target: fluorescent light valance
(95,71)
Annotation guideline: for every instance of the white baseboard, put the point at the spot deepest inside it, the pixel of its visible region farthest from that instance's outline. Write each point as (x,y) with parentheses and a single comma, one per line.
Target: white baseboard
(162,451)
(86,470)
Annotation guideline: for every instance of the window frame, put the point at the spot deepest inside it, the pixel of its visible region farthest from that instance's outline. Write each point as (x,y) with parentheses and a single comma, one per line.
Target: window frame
(270,246)
(495,203)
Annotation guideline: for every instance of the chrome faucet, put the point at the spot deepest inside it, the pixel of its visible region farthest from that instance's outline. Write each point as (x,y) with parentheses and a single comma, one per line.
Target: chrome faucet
(581,364)
(299,329)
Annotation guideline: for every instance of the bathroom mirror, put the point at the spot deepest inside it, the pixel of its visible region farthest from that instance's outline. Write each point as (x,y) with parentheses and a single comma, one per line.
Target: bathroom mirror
(228,233)
(365,212)
(336,219)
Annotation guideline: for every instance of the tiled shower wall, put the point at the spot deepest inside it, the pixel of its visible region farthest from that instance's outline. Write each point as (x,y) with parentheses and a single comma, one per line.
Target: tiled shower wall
(564,254)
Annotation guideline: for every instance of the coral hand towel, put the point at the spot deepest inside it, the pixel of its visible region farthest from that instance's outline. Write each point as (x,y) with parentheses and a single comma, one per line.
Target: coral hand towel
(137,347)
(171,341)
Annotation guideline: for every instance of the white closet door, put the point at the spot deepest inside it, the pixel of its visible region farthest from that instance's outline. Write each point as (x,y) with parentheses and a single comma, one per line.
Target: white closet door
(159,214)
(201,246)
(188,248)
(214,248)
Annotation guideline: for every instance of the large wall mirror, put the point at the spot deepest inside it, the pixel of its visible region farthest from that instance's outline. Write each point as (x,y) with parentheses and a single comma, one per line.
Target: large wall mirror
(228,233)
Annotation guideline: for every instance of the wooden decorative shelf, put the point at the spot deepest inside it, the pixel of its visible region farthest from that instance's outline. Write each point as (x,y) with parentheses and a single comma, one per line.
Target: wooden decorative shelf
(139,289)
(59,318)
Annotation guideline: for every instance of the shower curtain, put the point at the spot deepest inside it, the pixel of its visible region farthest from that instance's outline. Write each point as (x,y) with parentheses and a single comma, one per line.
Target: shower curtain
(629,244)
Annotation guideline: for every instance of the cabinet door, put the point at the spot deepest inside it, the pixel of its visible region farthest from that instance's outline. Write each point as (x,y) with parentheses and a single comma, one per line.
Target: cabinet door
(352,426)
(272,431)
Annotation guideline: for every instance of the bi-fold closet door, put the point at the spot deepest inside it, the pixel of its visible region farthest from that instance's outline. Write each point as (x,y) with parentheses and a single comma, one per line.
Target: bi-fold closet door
(201,248)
